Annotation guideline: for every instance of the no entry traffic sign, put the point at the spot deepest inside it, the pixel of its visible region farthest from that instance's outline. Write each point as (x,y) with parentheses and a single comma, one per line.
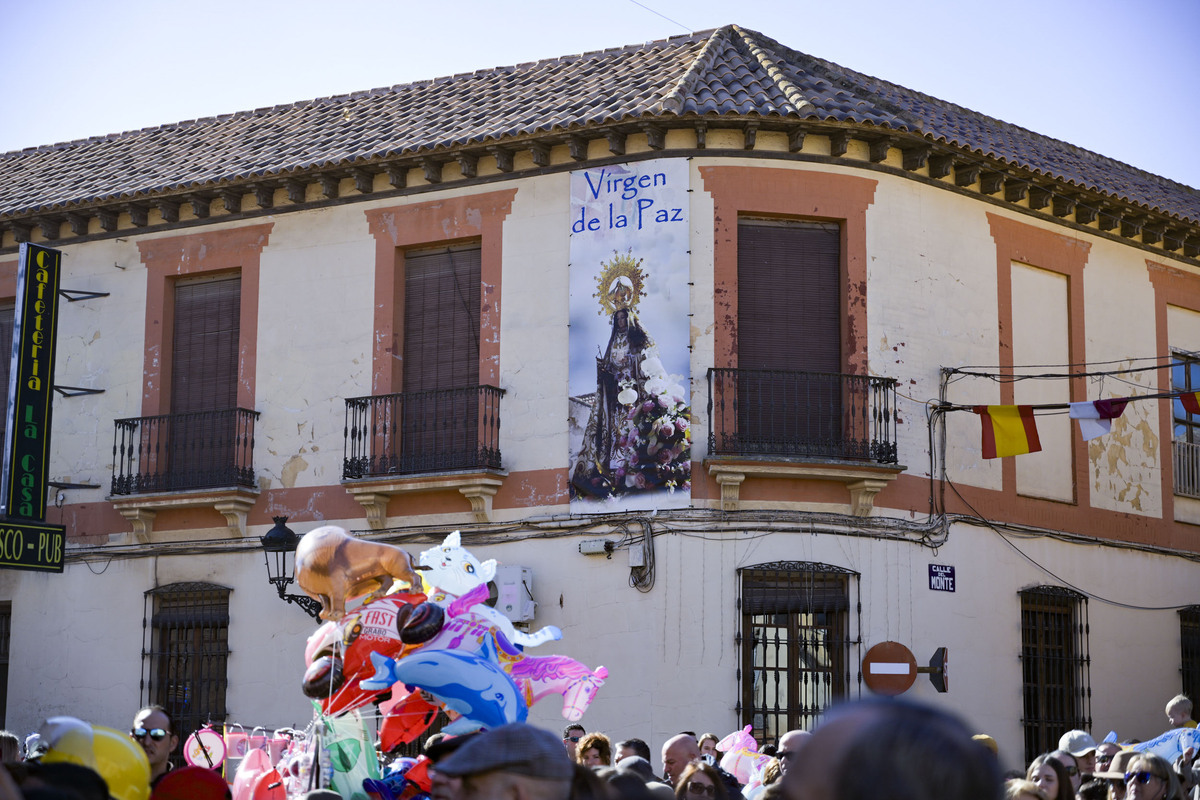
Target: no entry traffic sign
(889,668)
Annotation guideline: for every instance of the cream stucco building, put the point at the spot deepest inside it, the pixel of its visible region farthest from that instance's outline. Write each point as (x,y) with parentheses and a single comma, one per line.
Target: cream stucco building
(963,262)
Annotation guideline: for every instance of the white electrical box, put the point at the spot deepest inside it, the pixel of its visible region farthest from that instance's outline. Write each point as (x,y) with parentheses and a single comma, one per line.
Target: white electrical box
(514,592)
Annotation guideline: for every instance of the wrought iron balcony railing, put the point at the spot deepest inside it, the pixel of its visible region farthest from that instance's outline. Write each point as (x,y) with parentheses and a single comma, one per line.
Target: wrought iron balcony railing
(794,414)
(435,431)
(176,452)
(1187,468)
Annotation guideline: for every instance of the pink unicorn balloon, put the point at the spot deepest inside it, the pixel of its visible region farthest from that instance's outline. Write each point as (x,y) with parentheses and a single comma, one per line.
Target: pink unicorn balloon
(742,759)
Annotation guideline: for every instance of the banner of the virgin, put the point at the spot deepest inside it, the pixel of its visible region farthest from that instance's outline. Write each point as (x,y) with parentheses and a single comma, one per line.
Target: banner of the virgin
(630,414)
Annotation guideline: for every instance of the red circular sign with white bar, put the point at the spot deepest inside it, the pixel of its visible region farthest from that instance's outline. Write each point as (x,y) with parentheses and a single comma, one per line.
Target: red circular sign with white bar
(889,668)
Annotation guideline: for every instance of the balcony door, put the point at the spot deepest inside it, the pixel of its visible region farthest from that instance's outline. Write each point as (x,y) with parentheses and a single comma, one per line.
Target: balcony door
(789,337)
(201,430)
(440,405)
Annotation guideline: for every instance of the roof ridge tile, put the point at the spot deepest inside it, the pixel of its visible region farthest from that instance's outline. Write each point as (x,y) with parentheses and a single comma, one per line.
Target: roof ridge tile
(673,100)
(790,90)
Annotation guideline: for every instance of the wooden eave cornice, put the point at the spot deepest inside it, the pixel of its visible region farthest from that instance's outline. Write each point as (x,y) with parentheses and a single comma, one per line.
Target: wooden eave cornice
(897,152)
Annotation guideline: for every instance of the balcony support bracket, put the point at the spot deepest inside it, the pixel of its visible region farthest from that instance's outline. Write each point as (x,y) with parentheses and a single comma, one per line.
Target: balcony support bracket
(478,486)
(141,509)
(731,487)
(862,482)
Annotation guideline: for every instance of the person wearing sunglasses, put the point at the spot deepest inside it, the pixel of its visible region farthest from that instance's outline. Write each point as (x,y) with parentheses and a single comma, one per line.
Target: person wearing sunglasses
(571,736)
(700,781)
(1114,773)
(1150,777)
(1104,755)
(1051,777)
(154,731)
(789,746)
(1071,764)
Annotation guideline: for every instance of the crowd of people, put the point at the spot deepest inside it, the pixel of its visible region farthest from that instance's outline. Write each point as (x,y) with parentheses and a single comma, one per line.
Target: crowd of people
(876,749)
(1082,769)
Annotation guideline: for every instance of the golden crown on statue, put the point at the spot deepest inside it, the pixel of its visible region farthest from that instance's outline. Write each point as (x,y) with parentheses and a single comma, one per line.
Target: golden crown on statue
(621,283)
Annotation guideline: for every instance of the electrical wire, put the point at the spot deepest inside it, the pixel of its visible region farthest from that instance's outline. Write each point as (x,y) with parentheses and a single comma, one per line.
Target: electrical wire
(970,369)
(985,522)
(660,14)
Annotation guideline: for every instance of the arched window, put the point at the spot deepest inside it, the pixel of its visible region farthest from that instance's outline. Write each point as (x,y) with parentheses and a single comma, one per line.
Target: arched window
(795,643)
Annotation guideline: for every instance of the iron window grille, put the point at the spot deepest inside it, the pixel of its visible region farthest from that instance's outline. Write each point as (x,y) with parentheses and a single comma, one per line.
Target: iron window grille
(1055,666)
(1189,650)
(185,653)
(795,644)
(5,639)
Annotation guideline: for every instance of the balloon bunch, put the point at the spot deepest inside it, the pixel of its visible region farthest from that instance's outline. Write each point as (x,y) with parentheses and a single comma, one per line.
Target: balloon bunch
(445,650)
(742,759)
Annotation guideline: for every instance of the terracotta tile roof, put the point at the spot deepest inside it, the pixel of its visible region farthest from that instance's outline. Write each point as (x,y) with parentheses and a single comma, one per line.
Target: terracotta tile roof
(729,71)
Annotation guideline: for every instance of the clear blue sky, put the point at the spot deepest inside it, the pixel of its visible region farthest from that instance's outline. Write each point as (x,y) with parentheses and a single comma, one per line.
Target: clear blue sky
(1114,76)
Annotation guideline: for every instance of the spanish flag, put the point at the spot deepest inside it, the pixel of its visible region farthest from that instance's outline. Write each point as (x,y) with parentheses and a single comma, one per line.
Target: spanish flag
(1008,430)
(1191,402)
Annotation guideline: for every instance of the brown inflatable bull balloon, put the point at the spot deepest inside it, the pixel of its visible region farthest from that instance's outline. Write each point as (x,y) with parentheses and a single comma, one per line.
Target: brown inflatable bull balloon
(333,567)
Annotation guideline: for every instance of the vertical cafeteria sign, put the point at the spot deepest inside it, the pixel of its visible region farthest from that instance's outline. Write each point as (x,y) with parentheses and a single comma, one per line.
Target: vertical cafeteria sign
(630,408)
(24,544)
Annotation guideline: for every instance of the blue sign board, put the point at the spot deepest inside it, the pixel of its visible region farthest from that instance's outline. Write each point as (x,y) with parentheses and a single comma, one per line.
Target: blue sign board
(941,578)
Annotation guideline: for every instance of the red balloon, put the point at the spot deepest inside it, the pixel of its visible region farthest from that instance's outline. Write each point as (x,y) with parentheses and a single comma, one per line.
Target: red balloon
(407,720)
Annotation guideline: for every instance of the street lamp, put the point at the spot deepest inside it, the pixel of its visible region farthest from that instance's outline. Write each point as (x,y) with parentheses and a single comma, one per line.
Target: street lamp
(279,547)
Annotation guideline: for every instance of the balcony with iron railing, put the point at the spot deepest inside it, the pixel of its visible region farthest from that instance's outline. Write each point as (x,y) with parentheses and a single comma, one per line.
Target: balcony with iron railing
(418,441)
(201,458)
(826,426)
(178,452)
(1187,468)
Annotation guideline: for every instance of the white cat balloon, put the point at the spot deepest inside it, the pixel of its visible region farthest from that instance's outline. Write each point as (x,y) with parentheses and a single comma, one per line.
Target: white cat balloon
(451,571)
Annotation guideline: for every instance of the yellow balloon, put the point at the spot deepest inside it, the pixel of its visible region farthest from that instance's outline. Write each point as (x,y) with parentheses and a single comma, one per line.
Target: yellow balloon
(122,763)
(69,740)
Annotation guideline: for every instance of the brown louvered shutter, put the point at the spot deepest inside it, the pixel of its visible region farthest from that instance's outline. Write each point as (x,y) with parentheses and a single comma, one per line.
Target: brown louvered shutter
(7,313)
(441,318)
(441,358)
(202,429)
(789,296)
(204,358)
(789,398)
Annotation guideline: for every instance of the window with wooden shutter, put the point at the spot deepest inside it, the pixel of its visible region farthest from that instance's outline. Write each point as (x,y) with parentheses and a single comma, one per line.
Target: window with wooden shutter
(441,355)
(204,356)
(7,312)
(789,295)
(441,318)
(202,437)
(789,337)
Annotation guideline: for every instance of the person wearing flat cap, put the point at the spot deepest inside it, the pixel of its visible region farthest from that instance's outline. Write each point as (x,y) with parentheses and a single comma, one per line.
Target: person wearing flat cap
(512,762)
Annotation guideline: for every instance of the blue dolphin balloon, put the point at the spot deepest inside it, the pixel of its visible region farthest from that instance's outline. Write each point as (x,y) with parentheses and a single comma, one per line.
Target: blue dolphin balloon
(473,684)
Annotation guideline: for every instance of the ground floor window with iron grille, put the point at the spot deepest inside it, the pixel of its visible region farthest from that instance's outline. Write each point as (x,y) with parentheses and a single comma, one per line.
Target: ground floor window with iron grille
(5,637)
(185,653)
(1055,666)
(1189,652)
(795,644)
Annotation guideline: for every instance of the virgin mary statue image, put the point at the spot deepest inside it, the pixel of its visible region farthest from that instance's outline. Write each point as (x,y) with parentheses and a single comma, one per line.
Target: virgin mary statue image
(638,435)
